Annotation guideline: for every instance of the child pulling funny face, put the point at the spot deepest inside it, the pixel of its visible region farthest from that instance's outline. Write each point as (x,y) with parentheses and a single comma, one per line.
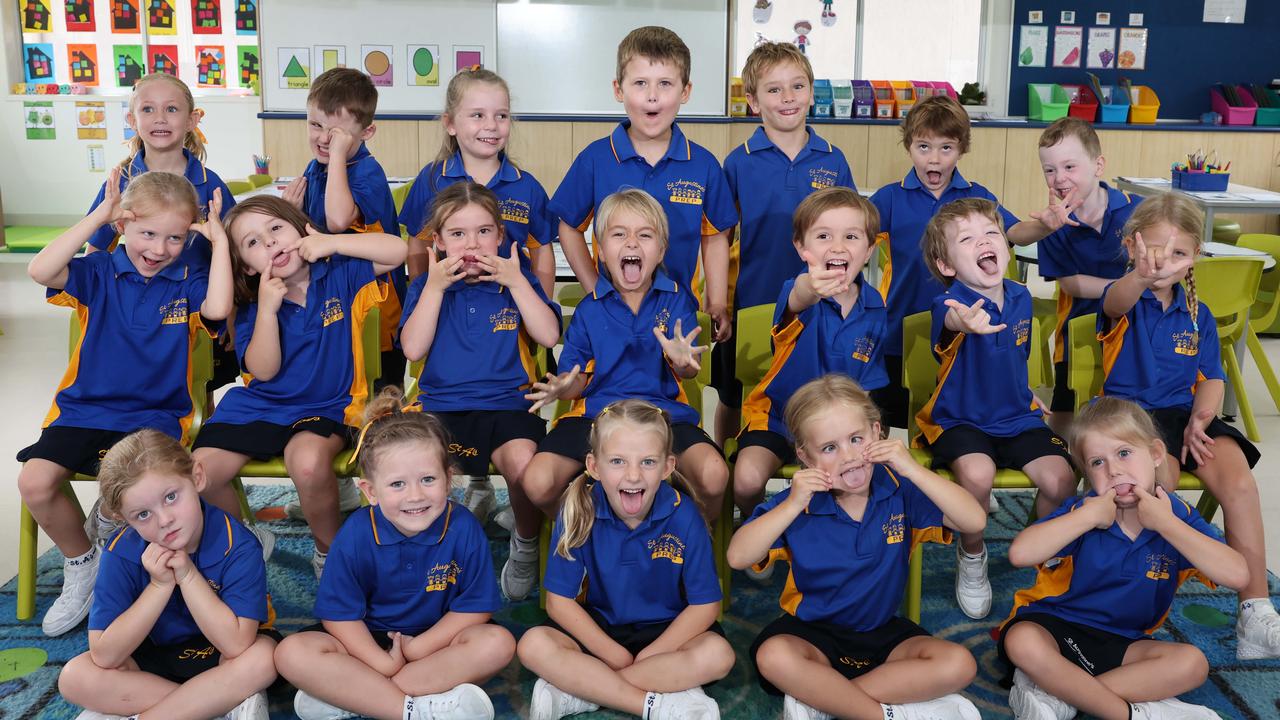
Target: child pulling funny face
(632,460)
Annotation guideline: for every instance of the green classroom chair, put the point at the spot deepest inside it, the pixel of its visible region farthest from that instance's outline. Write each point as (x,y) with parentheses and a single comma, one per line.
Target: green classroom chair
(239,187)
(260,179)
(1229,287)
(400,194)
(1266,308)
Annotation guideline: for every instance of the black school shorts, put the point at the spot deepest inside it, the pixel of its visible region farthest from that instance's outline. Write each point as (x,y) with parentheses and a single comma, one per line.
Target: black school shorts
(264,440)
(76,449)
(850,652)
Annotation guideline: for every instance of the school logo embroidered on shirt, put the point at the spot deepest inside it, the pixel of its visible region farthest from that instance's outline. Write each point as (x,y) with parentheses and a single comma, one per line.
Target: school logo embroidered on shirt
(1158,566)
(514,211)
(332,311)
(894,529)
(820,178)
(441,576)
(1186,343)
(505,319)
(863,347)
(174,312)
(661,320)
(1022,331)
(667,546)
(685,192)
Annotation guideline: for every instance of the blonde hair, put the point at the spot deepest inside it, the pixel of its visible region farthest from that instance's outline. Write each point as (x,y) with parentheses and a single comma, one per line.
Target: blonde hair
(135,455)
(940,116)
(244,284)
(639,202)
(1111,416)
(656,44)
(1185,216)
(453,95)
(1066,127)
(933,244)
(766,57)
(388,424)
(155,192)
(191,141)
(578,513)
(456,197)
(831,198)
(821,393)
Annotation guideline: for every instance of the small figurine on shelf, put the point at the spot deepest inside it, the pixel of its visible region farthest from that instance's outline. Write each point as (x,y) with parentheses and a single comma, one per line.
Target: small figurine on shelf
(970,94)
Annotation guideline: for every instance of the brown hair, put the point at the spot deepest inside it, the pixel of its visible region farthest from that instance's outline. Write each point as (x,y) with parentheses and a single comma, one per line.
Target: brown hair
(766,57)
(1066,127)
(156,192)
(453,95)
(821,393)
(656,44)
(191,141)
(831,198)
(940,116)
(933,244)
(388,424)
(246,285)
(1114,417)
(1183,214)
(345,89)
(578,510)
(142,452)
(454,198)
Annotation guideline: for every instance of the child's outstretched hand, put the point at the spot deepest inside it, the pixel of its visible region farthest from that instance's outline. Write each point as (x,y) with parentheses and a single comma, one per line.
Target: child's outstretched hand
(271,292)
(973,320)
(212,228)
(1058,212)
(1101,509)
(1156,266)
(156,561)
(679,348)
(443,273)
(316,245)
(891,452)
(823,282)
(181,565)
(1154,511)
(295,193)
(545,393)
(1194,439)
(805,483)
(109,210)
(503,270)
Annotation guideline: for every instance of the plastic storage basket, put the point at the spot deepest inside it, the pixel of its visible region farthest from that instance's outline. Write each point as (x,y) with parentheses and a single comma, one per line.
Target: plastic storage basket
(1114,107)
(1200,180)
(1083,103)
(1145,105)
(1242,114)
(1046,102)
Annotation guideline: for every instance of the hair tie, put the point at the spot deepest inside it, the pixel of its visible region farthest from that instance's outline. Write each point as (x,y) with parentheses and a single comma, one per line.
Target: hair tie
(200,133)
(365,430)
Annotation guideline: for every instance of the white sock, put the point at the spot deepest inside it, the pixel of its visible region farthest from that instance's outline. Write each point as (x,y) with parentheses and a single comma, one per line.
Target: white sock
(973,556)
(890,711)
(650,704)
(85,558)
(525,542)
(409,705)
(1252,605)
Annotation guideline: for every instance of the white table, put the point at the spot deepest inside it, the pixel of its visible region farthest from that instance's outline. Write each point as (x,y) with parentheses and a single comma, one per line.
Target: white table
(1241,199)
(1030,254)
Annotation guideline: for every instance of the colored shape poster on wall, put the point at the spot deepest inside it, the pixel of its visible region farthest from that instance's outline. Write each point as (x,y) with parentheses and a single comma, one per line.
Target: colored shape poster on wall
(162,17)
(376,61)
(38,118)
(249,65)
(329,57)
(424,65)
(35,15)
(1034,46)
(1067,42)
(246,17)
(37,62)
(1102,48)
(124,17)
(206,17)
(295,68)
(163,58)
(211,66)
(465,56)
(80,16)
(91,120)
(127,64)
(82,64)
(1133,49)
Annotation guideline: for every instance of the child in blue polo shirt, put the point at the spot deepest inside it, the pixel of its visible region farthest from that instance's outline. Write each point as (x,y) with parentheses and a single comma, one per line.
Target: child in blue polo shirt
(631,338)
(181,618)
(1108,567)
(302,299)
(1083,258)
(1162,350)
(139,308)
(827,319)
(983,415)
(936,135)
(846,526)
(476,316)
(351,195)
(405,601)
(777,167)
(649,151)
(646,638)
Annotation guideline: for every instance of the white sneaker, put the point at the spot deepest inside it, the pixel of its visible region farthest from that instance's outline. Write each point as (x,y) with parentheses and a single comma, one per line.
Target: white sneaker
(464,702)
(973,589)
(690,704)
(307,707)
(76,598)
(1258,636)
(348,500)
(254,707)
(506,519)
(480,498)
(793,709)
(520,572)
(100,530)
(317,562)
(947,707)
(551,703)
(1030,701)
(266,538)
(1171,709)
(91,715)
(993,505)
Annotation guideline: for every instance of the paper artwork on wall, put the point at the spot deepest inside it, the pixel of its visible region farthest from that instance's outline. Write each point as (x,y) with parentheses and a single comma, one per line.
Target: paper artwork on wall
(424,65)
(162,17)
(127,65)
(36,16)
(38,119)
(91,121)
(125,18)
(206,17)
(1133,49)
(466,56)
(1102,48)
(249,64)
(211,66)
(82,64)
(1033,46)
(80,16)
(1067,46)
(37,62)
(376,62)
(329,57)
(163,58)
(295,68)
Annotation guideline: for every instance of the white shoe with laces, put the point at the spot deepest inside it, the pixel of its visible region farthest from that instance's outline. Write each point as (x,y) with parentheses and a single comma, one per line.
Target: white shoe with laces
(73,603)
(693,704)
(793,709)
(1170,709)
(1258,633)
(973,589)
(480,498)
(348,500)
(308,707)
(1030,701)
(254,707)
(91,715)
(464,702)
(947,707)
(266,538)
(551,703)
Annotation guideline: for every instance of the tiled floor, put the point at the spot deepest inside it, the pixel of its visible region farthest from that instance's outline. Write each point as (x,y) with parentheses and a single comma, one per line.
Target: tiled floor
(33,354)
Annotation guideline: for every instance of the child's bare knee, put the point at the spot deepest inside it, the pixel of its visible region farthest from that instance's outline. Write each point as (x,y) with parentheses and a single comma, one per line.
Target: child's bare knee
(773,655)
(1191,664)
(1022,643)
(38,483)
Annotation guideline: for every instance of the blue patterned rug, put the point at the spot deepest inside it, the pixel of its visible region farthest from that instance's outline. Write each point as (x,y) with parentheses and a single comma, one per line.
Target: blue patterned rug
(29,662)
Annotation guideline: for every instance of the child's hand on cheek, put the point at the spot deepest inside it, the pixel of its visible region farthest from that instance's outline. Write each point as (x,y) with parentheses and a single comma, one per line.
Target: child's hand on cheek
(340,142)
(805,483)
(891,452)
(1154,511)
(316,245)
(1102,509)
(181,565)
(271,292)
(443,273)
(156,561)
(503,270)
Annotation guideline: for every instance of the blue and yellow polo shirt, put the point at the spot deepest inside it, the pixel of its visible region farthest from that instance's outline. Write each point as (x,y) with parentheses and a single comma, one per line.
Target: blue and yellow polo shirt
(982,381)
(321,351)
(198,251)
(134,333)
(768,186)
(1107,581)
(905,209)
(853,572)
(647,575)
(481,358)
(817,341)
(1082,250)
(394,582)
(229,558)
(1155,356)
(688,182)
(616,348)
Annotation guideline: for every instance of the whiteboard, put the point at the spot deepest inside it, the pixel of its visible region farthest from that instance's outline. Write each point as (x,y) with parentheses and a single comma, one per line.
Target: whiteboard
(409,36)
(560,56)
